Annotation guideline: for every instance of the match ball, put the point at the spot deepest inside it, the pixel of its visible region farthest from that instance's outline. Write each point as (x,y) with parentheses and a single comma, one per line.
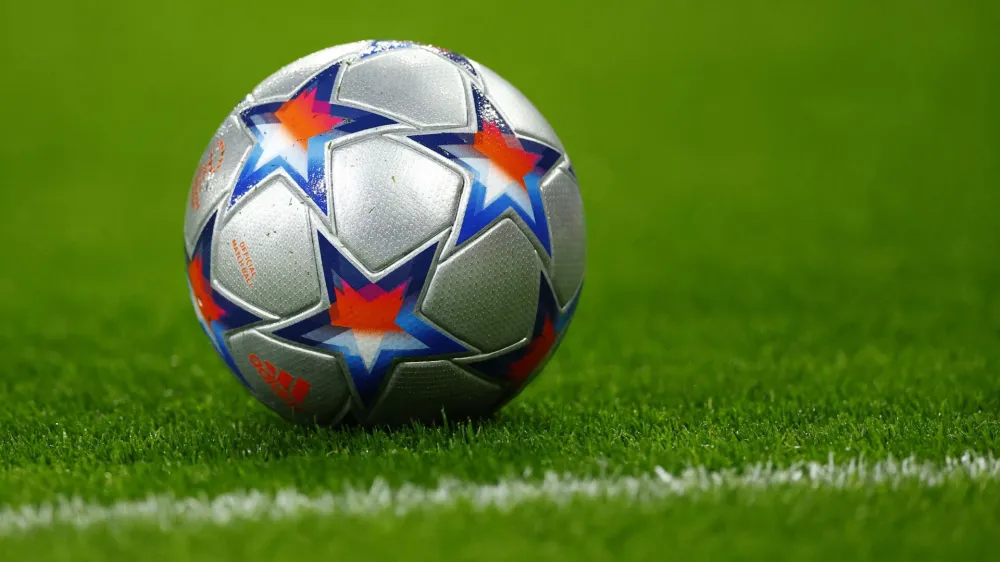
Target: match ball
(384,232)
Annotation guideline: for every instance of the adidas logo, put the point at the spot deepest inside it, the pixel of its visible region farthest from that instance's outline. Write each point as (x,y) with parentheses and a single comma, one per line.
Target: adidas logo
(292,391)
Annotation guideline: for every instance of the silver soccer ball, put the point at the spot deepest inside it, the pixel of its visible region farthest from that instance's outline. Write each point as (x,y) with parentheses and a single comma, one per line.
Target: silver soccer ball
(383,232)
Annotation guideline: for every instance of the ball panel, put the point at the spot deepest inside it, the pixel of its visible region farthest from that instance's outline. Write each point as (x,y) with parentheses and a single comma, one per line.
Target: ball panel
(518,364)
(388,199)
(517,109)
(286,81)
(298,384)
(564,210)
(486,293)
(413,85)
(214,177)
(264,252)
(420,391)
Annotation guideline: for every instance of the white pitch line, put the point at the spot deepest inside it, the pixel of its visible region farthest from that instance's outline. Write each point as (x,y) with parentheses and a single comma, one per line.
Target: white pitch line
(381,499)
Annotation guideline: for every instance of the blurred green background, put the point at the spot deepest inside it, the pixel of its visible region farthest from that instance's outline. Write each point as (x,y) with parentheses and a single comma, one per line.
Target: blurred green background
(793,220)
(726,143)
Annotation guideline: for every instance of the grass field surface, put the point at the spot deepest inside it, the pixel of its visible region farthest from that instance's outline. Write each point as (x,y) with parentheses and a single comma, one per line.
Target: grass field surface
(793,226)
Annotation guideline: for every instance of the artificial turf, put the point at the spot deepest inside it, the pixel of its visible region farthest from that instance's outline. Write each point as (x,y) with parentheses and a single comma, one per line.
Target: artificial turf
(793,219)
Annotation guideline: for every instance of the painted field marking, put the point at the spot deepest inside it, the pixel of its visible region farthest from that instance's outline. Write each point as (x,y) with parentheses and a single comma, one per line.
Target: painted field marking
(168,511)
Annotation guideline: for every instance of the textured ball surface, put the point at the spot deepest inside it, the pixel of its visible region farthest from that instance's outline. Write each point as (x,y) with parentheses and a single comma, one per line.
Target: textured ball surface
(384,232)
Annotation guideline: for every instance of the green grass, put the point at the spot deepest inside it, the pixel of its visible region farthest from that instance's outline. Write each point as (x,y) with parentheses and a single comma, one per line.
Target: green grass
(797,526)
(793,221)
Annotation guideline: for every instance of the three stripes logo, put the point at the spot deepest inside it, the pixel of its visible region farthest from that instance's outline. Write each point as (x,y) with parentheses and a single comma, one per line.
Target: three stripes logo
(292,391)
(211,165)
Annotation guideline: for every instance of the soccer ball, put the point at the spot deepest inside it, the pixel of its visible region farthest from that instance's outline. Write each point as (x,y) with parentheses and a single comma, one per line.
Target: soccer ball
(384,232)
